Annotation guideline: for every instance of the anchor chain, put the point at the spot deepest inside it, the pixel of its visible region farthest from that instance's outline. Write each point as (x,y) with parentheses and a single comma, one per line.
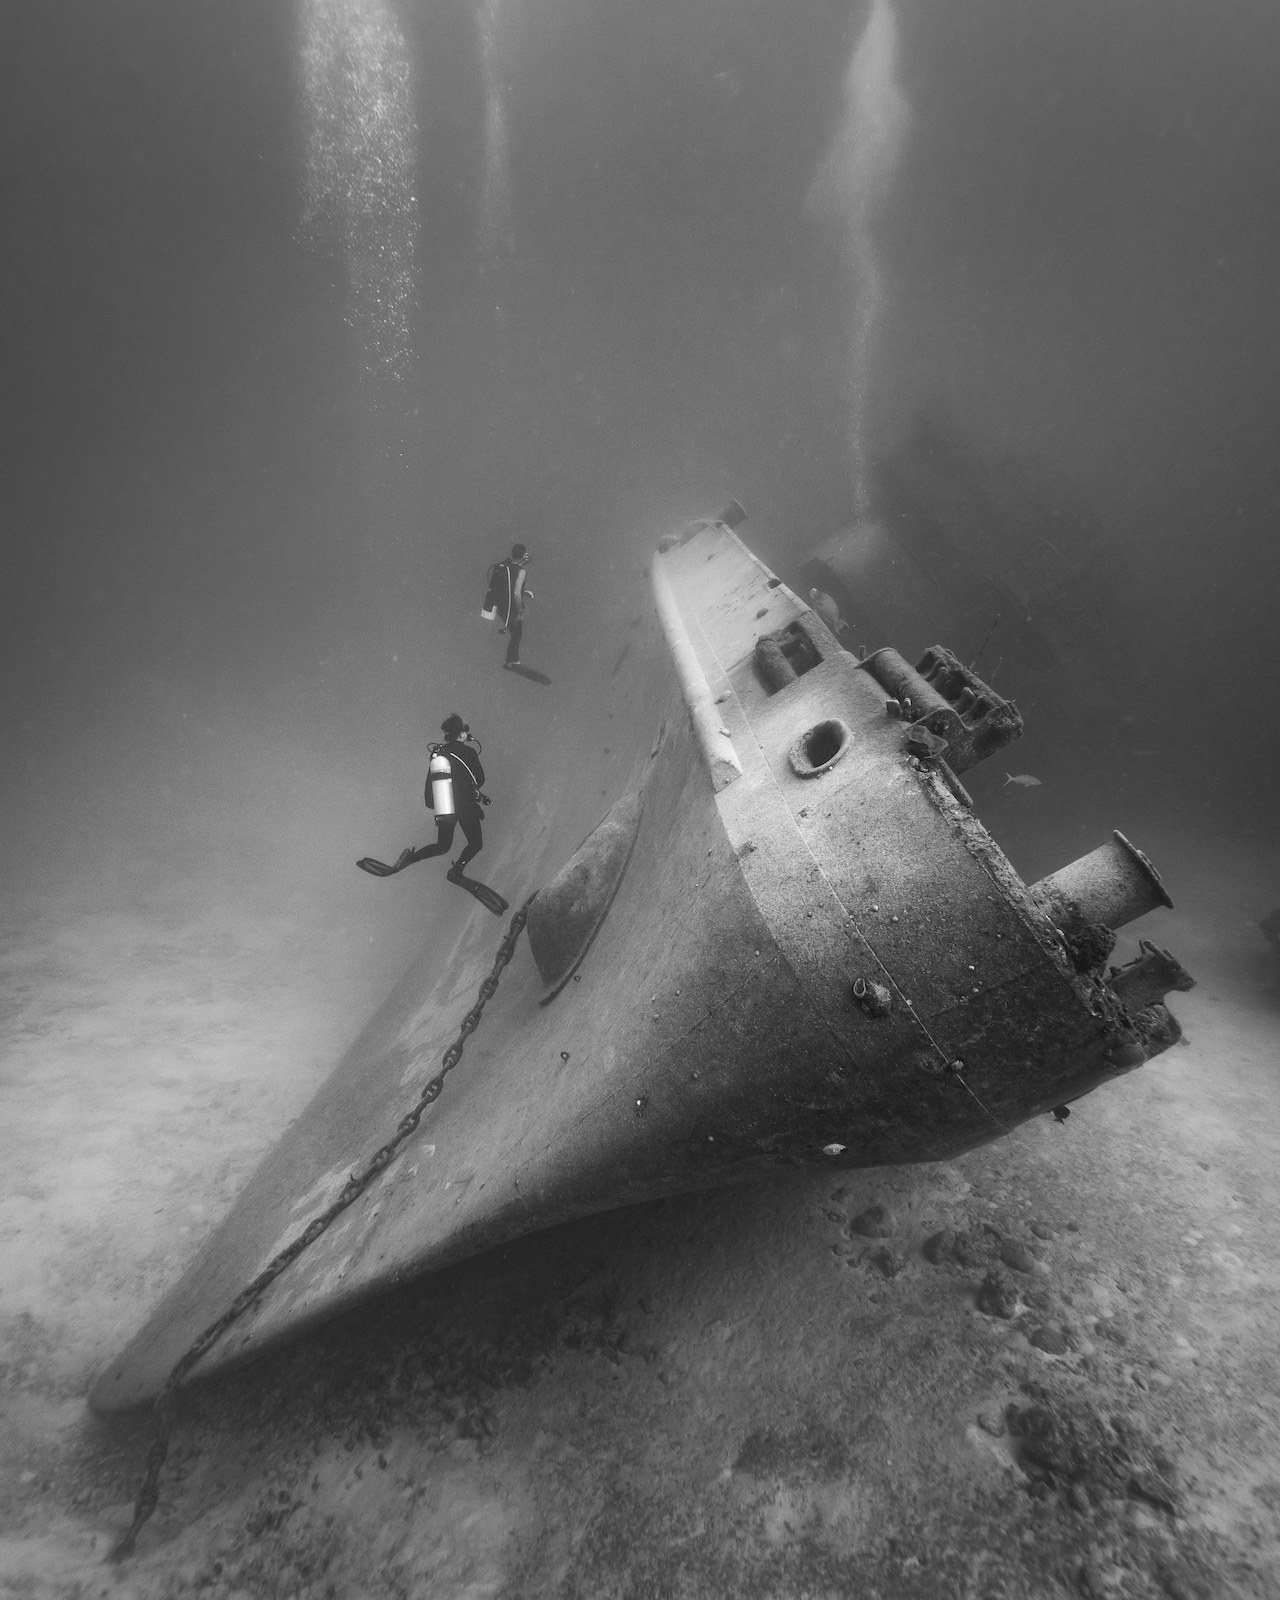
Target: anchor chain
(356,1184)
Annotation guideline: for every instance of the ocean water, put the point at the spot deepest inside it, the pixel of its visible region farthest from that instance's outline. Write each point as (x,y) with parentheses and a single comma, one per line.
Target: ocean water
(312,310)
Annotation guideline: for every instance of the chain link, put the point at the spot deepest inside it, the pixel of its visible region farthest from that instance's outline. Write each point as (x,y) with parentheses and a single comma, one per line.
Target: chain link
(356,1184)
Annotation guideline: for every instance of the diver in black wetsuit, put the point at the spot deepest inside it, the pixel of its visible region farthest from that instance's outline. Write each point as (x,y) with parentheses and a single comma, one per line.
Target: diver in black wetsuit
(457,760)
(508,596)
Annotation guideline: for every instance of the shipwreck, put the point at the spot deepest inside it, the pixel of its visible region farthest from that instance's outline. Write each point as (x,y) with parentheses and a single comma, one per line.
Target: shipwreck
(780,937)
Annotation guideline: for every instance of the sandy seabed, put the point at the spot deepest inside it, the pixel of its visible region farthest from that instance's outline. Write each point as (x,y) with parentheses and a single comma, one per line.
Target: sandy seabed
(1049,1368)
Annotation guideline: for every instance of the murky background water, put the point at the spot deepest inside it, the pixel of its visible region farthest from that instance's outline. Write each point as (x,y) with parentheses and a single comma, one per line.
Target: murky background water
(312,308)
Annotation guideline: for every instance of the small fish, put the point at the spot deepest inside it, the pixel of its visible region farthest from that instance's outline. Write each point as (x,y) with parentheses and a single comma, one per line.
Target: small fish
(827,609)
(1024,780)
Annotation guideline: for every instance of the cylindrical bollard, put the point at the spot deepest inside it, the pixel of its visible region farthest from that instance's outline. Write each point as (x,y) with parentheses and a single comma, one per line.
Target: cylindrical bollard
(777,670)
(1112,885)
(897,677)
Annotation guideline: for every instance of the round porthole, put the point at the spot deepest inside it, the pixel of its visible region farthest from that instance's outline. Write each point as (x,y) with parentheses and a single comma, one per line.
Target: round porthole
(819,748)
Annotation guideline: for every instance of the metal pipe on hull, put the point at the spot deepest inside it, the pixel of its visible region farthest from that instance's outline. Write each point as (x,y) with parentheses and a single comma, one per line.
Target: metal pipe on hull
(1113,885)
(713,737)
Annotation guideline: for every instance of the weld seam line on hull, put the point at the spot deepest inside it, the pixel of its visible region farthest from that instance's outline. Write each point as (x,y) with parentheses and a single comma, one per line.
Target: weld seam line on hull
(149,1493)
(875,955)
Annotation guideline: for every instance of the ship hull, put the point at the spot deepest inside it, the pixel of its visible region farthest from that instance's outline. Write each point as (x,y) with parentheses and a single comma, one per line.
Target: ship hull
(709,1029)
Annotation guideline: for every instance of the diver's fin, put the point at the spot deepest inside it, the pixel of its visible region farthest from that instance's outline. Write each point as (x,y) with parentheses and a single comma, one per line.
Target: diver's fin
(380,869)
(526,672)
(489,898)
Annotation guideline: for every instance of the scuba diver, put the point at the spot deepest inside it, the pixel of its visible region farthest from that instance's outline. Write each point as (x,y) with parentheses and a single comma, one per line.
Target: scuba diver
(505,599)
(453,794)
(507,596)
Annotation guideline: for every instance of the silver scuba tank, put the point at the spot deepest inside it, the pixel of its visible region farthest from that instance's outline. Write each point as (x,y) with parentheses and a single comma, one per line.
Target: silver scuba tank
(441,780)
